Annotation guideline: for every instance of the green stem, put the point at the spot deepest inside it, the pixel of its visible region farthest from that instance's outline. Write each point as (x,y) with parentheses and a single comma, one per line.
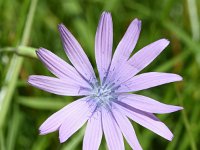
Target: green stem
(2,141)
(169,64)
(20,50)
(11,78)
(194,46)
(186,121)
(194,21)
(28,24)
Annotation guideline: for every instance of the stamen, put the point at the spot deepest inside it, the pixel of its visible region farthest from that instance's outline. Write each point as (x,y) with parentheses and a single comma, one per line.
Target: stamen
(104,95)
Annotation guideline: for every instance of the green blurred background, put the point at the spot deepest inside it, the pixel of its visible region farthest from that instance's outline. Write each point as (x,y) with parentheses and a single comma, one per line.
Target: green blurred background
(28,24)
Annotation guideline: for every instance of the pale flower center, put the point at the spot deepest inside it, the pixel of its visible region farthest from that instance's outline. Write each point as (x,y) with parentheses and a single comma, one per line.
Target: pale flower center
(103,95)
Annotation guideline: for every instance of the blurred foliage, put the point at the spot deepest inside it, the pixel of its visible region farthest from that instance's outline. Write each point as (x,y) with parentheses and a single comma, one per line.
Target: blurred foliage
(28,24)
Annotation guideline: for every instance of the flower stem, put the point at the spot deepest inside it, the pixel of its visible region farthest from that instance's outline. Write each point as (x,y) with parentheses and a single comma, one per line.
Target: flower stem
(11,78)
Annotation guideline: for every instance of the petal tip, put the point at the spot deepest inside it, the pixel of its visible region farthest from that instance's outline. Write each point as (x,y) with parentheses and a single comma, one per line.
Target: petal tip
(171,138)
(180,108)
(40,50)
(32,80)
(106,13)
(61,139)
(177,108)
(139,23)
(41,128)
(165,41)
(179,78)
(37,51)
(41,133)
(29,79)
(61,27)
(137,20)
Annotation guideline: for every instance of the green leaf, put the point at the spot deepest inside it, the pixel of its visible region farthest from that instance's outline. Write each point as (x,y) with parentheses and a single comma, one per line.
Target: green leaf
(45,103)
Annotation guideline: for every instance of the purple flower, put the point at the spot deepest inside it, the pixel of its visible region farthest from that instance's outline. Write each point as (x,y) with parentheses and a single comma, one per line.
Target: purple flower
(107,105)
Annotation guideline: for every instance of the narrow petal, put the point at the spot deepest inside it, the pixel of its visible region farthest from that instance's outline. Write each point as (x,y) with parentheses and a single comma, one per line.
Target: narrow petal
(128,42)
(103,44)
(93,133)
(147,54)
(147,104)
(139,61)
(54,121)
(76,54)
(148,80)
(124,73)
(112,132)
(127,129)
(57,86)
(59,67)
(146,120)
(125,47)
(74,121)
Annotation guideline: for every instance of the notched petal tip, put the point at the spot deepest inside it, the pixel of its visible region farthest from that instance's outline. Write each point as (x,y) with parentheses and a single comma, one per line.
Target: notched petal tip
(106,13)
(138,22)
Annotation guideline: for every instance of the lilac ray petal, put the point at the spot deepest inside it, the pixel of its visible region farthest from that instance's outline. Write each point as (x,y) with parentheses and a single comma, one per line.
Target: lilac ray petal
(74,121)
(59,67)
(146,120)
(123,74)
(93,133)
(147,104)
(103,44)
(76,54)
(127,129)
(113,135)
(125,47)
(140,60)
(54,121)
(148,80)
(57,86)
(147,54)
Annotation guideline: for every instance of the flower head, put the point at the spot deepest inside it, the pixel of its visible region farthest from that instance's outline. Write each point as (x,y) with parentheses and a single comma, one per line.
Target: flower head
(107,105)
